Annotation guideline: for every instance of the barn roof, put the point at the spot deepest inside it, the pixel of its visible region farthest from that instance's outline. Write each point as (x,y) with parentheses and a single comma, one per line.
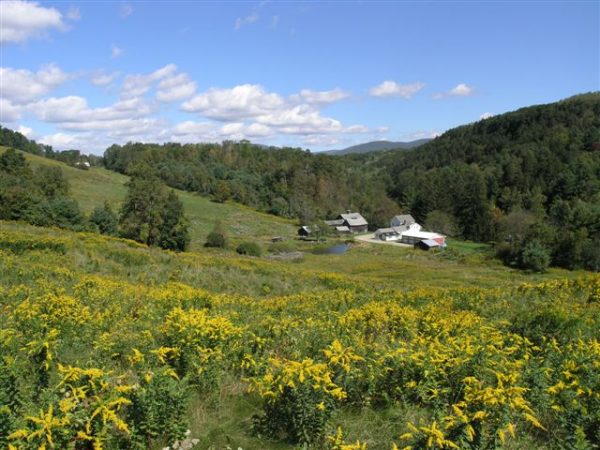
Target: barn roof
(430,243)
(354,219)
(404,219)
(335,223)
(342,228)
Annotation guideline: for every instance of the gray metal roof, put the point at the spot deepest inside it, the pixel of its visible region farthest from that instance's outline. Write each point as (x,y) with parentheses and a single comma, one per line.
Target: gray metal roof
(354,219)
(334,223)
(430,243)
(342,228)
(404,219)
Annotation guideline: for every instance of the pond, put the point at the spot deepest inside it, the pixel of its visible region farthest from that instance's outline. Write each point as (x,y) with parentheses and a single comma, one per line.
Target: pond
(337,249)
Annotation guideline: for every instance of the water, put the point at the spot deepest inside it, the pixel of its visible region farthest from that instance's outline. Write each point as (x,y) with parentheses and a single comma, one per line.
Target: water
(337,249)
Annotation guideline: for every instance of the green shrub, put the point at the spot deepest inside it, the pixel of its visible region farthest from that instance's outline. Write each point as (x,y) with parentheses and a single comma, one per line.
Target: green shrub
(535,257)
(217,238)
(249,248)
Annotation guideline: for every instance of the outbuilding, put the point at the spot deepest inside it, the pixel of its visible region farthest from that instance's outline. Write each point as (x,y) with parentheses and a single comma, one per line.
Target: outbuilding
(427,244)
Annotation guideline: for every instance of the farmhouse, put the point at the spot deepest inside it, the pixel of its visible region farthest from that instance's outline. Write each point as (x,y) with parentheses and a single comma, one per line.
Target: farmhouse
(350,222)
(404,222)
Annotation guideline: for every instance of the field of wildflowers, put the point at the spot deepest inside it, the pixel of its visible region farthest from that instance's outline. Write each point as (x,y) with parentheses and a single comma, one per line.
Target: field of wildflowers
(105,344)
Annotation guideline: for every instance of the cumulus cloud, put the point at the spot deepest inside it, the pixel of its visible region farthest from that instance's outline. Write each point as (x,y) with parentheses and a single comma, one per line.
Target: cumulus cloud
(421,134)
(301,119)
(73,112)
(241,21)
(137,85)
(486,115)
(9,112)
(390,88)
(22,20)
(176,87)
(460,90)
(240,102)
(102,78)
(320,97)
(59,140)
(21,86)
(26,131)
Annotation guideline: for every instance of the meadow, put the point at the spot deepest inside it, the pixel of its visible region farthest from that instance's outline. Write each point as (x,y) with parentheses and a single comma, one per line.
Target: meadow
(106,343)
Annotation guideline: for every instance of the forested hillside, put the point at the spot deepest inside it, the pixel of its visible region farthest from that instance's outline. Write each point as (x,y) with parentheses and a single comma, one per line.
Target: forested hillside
(526,178)
(284,181)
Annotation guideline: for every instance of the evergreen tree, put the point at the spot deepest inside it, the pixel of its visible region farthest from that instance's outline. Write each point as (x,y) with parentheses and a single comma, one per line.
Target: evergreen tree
(105,219)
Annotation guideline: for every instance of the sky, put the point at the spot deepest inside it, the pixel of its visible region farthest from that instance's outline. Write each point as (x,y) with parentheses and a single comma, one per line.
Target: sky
(316,75)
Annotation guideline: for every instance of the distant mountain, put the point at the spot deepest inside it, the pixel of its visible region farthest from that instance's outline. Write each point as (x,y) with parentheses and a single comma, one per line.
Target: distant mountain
(375,146)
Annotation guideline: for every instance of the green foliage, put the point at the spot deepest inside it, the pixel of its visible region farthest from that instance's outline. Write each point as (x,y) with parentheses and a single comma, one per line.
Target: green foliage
(40,198)
(217,238)
(152,215)
(286,181)
(249,248)
(542,160)
(535,257)
(105,219)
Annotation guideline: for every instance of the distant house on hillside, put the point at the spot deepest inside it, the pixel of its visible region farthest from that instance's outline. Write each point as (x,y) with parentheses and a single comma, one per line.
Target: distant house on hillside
(404,222)
(350,222)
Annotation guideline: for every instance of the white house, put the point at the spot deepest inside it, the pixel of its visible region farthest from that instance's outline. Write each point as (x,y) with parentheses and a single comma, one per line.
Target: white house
(404,223)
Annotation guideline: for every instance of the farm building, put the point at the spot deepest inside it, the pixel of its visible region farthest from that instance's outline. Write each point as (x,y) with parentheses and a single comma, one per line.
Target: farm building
(388,234)
(354,222)
(307,230)
(404,222)
(414,237)
(427,244)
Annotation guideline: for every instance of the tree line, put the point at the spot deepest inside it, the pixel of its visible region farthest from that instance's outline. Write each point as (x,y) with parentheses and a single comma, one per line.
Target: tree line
(528,180)
(288,182)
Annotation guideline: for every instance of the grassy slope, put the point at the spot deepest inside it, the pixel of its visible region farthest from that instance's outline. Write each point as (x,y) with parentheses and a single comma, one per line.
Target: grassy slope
(92,187)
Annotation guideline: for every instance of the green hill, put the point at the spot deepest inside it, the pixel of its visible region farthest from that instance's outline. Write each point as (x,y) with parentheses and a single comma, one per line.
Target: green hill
(94,186)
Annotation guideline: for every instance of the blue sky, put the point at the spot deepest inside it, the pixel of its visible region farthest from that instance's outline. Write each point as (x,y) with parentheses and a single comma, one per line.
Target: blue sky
(317,75)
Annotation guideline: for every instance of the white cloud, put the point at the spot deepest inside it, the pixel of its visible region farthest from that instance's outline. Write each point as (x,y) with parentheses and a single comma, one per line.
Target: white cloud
(137,85)
(390,88)
(321,140)
(421,134)
(383,129)
(125,10)
(73,112)
(301,119)
(73,13)
(22,20)
(21,86)
(115,51)
(320,97)
(239,102)
(9,112)
(460,90)
(59,140)
(176,87)
(357,129)
(486,115)
(102,78)
(241,21)
(26,131)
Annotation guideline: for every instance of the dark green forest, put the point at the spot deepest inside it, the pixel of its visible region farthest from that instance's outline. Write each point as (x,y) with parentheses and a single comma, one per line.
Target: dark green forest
(287,182)
(528,179)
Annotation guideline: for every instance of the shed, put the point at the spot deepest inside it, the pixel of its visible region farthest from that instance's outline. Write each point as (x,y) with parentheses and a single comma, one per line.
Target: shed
(307,230)
(342,229)
(427,244)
